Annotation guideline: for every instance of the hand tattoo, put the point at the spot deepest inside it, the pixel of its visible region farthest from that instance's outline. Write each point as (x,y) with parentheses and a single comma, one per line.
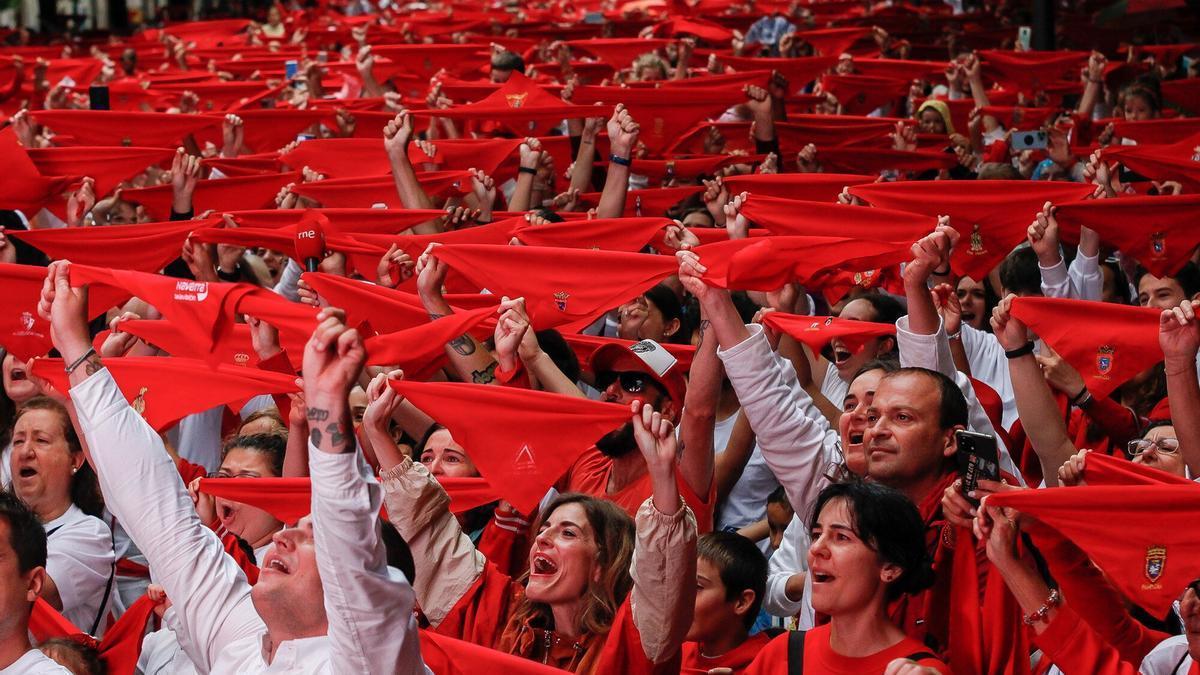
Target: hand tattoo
(464,345)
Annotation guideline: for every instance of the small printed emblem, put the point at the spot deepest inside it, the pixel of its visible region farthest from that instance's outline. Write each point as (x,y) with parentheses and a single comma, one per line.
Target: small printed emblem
(977,247)
(27,320)
(139,402)
(241,358)
(524,462)
(560,300)
(642,347)
(1158,245)
(1104,360)
(516,100)
(1156,562)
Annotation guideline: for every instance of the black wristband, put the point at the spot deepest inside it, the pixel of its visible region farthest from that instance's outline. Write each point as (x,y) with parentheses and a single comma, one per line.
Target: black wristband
(622,161)
(941,273)
(1024,350)
(1079,397)
(528,170)
(235,275)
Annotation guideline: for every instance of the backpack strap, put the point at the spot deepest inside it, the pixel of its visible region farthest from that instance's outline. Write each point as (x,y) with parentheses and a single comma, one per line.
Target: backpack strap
(920,656)
(795,652)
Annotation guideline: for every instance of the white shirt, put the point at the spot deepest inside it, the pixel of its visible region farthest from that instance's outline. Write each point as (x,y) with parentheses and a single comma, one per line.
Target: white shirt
(833,387)
(1166,655)
(371,626)
(80,559)
(34,662)
(747,500)
(5,467)
(989,366)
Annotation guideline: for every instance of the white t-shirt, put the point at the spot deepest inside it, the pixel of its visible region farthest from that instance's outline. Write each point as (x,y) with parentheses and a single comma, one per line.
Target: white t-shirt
(80,560)
(34,662)
(833,387)
(747,501)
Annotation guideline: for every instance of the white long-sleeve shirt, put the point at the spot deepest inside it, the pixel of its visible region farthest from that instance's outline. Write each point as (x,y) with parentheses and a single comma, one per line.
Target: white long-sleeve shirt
(989,366)
(371,628)
(1081,281)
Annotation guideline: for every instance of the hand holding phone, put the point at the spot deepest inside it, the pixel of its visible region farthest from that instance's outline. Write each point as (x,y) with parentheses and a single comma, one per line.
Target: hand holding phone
(978,459)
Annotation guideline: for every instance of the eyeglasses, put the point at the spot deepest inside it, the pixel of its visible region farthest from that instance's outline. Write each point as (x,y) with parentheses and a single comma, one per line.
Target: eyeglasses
(631,381)
(1167,446)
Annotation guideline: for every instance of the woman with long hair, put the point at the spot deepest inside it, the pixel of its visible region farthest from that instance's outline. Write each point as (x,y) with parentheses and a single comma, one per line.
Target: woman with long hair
(603,594)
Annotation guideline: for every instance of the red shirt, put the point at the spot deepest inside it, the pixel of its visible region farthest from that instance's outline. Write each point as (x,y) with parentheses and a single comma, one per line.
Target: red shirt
(736,659)
(590,475)
(820,658)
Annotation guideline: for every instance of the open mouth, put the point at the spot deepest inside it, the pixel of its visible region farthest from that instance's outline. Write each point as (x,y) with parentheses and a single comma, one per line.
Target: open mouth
(821,577)
(856,439)
(277,565)
(27,472)
(968,317)
(17,374)
(841,355)
(542,566)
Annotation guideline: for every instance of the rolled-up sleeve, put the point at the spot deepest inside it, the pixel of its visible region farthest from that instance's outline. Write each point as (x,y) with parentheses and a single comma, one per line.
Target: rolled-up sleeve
(370,608)
(664,578)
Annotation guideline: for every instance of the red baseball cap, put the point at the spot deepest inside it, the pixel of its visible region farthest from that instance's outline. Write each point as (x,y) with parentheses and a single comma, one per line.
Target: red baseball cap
(644,356)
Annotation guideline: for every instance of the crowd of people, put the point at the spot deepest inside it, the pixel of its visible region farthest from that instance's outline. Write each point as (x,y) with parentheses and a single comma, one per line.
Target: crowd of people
(615,338)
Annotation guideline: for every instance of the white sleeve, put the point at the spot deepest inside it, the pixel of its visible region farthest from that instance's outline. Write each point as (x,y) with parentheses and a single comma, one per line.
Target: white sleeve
(789,430)
(143,490)
(370,608)
(932,352)
(288,280)
(788,559)
(1087,281)
(1055,281)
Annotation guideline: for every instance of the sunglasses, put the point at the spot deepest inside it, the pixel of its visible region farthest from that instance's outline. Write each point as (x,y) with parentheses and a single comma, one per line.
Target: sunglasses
(1167,446)
(631,381)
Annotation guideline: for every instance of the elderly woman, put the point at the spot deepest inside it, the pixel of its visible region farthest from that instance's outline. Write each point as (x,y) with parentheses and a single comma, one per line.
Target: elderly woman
(50,475)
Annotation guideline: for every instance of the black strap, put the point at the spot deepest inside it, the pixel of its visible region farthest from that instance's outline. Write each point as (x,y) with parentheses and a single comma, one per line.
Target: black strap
(112,573)
(920,656)
(51,531)
(1179,665)
(795,660)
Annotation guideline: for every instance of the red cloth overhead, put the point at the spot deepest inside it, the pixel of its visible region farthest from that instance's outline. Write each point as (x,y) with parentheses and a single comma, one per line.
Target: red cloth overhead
(24,188)
(1160,232)
(606,234)
(145,247)
(767,263)
(387,310)
(1160,162)
(832,41)
(1150,565)
(107,165)
(699,28)
(1101,469)
(798,71)
(809,187)
(585,345)
(23,332)
(663,118)
(243,166)
(498,232)
(247,192)
(791,217)
(860,94)
(1106,343)
(366,191)
(419,349)
(235,349)
(817,331)
(1032,71)
(1151,132)
(1017,117)
(425,60)
(874,160)
(562,287)
(1184,93)
(279,239)
(268,130)
(520,104)
(165,389)
(991,215)
(688,167)
(111,127)
(347,157)
(346,220)
(618,52)
(649,202)
(901,69)
(522,441)
(448,656)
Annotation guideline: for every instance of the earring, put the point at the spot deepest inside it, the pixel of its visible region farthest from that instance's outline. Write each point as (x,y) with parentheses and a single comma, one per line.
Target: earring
(74,469)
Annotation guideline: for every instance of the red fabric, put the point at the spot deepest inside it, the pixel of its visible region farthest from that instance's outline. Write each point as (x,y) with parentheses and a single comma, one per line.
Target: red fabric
(1159,232)
(107,165)
(166,389)
(282,239)
(874,160)
(809,187)
(804,218)
(561,287)
(817,331)
(362,191)
(1150,565)
(618,52)
(768,263)
(1018,117)
(246,192)
(419,350)
(235,349)
(350,157)
(522,441)
(585,345)
(1184,93)
(736,659)
(1105,470)
(24,188)
(991,215)
(520,104)
(111,127)
(592,472)
(425,60)
(819,657)
(606,234)
(688,167)
(347,220)
(663,119)
(901,69)
(798,71)
(860,94)
(1150,132)
(832,41)
(268,130)
(1160,162)
(23,332)
(1074,646)
(447,656)
(1032,71)
(145,247)
(649,202)
(122,643)
(1106,343)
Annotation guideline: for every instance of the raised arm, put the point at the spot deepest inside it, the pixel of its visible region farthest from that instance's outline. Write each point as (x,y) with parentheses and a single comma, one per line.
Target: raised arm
(699,414)
(396,136)
(371,624)
(142,488)
(622,137)
(470,360)
(1179,338)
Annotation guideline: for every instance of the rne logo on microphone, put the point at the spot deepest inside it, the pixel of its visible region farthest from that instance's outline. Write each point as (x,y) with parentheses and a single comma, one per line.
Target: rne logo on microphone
(307,234)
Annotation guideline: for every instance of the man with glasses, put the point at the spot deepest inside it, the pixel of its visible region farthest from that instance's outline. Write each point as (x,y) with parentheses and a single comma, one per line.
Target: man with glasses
(647,372)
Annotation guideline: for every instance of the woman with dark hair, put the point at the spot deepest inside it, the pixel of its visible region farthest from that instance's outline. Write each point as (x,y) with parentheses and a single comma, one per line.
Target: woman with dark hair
(868,549)
(50,475)
(602,594)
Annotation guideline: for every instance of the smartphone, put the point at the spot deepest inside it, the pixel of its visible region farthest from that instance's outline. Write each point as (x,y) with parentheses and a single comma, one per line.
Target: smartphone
(978,459)
(1029,140)
(290,68)
(1025,37)
(98,97)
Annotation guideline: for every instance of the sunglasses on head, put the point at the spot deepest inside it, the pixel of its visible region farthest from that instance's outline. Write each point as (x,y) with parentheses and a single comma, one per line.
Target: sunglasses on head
(631,381)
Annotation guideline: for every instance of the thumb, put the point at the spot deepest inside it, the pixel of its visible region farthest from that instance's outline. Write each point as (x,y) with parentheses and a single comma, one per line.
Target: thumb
(62,278)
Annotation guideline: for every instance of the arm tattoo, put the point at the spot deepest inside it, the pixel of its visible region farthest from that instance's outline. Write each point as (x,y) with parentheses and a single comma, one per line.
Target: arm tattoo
(464,345)
(434,316)
(92,365)
(315,438)
(485,376)
(338,436)
(317,415)
(703,330)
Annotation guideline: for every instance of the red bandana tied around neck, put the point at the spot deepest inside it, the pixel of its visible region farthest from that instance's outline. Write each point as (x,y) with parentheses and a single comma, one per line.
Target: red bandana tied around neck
(1106,343)
(1149,565)
(521,440)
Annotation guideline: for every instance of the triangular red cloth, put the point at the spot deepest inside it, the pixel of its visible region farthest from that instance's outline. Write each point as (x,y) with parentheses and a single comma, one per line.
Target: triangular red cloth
(251,165)
(111,127)
(1106,343)
(791,217)
(520,104)
(832,41)
(766,264)
(346,220)
(348,157)
(1160,232)
(1032,71)
(900,69)
(991,215)
(1145,132)
(860,94)
(649,202)
(688,167)
(165,389)
(561,286)
(24,188)
(817,331)
(279,239)
(107,165)
(606,234)
(618,52)
(235,349)
(122,643)
(425,60)
(521,440)
(1101,469)
(367,191)
(1160,162)
(809,187)
(856,159)
(246,192)
(23,332)
(270,129)
(1149,565)
(1184,93)
(420,350)
(798,71)
(664,118)
(145,247)
(448,656)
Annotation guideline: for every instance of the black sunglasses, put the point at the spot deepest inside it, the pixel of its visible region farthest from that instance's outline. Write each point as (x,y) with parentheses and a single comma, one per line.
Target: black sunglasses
(631,381)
